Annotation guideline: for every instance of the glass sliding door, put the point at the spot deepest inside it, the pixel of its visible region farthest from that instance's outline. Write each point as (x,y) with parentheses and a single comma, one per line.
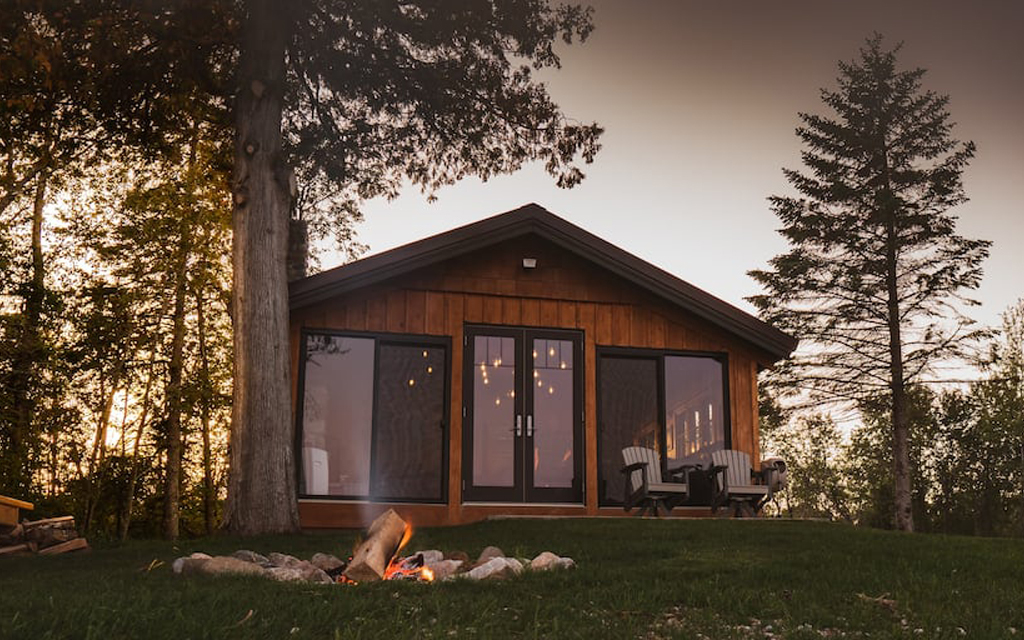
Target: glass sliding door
(408,444)
(496,460)
(337,415)
(373,420)
(523,426)
(673,403)
(551,426)
(627,415)
(694,409)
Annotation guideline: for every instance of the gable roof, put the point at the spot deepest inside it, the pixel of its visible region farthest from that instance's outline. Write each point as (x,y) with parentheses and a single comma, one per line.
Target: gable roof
(534,219)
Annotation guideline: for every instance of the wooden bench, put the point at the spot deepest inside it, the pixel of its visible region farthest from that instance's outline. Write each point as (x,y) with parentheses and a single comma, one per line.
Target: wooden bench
(9,510)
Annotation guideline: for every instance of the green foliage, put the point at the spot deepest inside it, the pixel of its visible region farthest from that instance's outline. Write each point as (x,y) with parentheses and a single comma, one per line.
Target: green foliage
(980,447)
(870,461)
(812,447)
(966,452)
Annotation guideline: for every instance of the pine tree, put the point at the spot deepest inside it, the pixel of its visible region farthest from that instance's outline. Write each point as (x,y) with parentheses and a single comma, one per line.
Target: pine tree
(873,283)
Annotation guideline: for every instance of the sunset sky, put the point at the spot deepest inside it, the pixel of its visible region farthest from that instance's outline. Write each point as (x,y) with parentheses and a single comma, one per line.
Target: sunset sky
(699,101)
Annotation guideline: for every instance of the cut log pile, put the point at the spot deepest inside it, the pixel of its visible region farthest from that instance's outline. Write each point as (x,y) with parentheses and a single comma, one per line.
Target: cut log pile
(49,536)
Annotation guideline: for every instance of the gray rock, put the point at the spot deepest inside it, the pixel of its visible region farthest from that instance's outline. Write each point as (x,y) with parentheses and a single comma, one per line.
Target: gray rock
(489,553)
(496,569)
(565,563)
(326,561)
(457,555)
(186,565)
(311,572)
(445,569)
(282,559)
(544,561)
(225,565)
(316,575)
(285,574)
(251,556)
(431,556)
(200,556)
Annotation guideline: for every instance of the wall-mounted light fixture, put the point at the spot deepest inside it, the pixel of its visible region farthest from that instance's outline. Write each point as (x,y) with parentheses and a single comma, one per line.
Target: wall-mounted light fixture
(529,263)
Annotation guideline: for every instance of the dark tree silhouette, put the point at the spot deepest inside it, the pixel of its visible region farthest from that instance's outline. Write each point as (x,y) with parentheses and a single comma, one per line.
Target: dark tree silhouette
(874,278)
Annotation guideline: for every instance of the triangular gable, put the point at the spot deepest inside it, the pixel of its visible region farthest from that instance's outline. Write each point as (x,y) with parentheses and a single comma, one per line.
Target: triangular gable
(533,218)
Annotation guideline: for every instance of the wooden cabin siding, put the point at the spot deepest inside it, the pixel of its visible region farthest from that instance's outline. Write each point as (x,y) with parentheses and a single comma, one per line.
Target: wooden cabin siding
(563,292)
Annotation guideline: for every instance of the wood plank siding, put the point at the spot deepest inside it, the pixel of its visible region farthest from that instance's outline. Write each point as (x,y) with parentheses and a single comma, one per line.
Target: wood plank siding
(565,291)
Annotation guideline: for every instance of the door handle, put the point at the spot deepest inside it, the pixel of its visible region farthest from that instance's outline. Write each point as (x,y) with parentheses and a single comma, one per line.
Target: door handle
(529,426)
(519,425)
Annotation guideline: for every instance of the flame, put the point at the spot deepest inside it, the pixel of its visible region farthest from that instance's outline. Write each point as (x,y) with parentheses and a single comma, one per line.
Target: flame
(405,538)
(399,568)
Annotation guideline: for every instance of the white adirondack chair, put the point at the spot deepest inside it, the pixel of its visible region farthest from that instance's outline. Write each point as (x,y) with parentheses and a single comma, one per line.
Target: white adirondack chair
(646,487)
(736,484)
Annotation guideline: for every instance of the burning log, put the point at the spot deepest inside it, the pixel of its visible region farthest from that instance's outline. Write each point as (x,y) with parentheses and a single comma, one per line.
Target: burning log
(384,538)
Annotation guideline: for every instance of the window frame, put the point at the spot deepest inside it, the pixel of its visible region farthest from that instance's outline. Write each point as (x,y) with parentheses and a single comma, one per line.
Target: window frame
(379,338)
(658,355)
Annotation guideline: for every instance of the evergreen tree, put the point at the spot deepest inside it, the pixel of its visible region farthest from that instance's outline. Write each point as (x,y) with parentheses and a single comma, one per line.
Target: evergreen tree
(875,275)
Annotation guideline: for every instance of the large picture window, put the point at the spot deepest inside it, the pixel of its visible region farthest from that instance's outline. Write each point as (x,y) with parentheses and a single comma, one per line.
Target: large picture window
(373,417)
(674,403)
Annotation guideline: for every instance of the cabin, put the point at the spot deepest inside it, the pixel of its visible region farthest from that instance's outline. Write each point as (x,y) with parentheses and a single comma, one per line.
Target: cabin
(502,367)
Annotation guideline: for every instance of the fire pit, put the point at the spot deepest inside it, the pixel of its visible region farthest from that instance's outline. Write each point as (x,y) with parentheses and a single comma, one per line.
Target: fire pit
(376,558)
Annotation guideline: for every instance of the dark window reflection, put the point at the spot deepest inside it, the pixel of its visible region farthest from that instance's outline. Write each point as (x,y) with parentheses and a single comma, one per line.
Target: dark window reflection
(337,415)
(628,396)
(409,441)
(694,411)
(692,424)
(494,384)
(338,424)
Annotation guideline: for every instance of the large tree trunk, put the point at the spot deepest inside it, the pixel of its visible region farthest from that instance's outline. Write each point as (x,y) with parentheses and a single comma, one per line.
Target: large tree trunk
(902,498)
(261,481)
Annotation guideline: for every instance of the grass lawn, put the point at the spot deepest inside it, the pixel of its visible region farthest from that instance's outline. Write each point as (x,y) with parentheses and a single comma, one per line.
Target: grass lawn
(635,579)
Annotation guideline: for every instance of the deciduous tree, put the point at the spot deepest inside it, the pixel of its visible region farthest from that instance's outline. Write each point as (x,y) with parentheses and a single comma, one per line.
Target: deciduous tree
(367,95)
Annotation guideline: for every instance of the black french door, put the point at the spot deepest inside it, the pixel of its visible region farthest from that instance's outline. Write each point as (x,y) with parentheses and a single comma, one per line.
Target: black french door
(523,427)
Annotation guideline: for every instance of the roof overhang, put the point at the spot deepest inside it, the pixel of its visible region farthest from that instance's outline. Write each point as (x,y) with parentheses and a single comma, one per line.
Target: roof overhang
(534,219)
